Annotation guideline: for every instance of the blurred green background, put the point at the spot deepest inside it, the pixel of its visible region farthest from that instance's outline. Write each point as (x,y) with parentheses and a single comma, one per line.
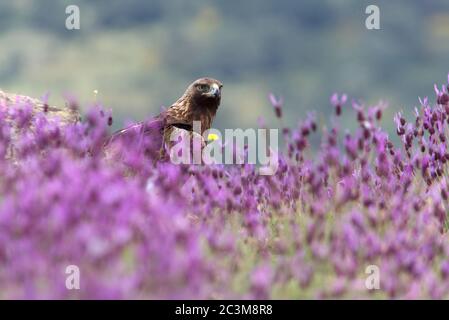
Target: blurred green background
(141,54)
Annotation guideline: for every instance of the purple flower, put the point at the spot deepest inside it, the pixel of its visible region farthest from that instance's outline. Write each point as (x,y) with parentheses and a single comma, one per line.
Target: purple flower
(277,104)
(261,279)
(142,229)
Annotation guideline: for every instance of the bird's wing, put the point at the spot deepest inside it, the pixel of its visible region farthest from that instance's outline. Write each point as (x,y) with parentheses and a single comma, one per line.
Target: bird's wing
(175,119)
(150,135)
(154,127)
(144,136)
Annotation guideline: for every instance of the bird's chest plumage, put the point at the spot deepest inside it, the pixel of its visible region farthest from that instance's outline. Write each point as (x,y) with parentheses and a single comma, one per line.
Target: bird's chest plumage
(187,115)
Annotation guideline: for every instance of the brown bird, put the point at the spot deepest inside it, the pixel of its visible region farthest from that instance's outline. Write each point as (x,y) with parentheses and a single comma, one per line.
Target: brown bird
(198,103)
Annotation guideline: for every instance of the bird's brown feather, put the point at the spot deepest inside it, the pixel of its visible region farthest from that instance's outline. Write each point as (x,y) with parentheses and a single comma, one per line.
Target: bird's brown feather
(191,106)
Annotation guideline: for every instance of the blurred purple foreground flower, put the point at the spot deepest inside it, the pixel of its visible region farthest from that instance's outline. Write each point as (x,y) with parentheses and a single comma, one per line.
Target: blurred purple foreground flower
(139,229)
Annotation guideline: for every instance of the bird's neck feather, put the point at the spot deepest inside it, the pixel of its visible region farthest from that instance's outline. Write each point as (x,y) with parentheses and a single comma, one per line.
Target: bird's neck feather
(189,110)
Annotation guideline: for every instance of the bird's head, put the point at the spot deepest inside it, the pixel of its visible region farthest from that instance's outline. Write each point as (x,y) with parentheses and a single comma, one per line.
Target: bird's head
(206,91)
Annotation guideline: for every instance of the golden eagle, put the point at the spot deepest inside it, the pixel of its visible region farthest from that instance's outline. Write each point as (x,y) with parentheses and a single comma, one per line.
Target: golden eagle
(199,102)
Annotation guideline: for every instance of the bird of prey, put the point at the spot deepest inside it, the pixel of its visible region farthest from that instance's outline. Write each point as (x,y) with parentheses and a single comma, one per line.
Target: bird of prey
(199,102)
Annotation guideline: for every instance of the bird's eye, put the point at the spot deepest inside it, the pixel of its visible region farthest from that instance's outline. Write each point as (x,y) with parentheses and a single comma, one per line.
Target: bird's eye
(203,87)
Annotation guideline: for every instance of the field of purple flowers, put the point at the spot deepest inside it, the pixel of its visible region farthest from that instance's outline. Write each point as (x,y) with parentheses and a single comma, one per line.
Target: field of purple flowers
(138,229)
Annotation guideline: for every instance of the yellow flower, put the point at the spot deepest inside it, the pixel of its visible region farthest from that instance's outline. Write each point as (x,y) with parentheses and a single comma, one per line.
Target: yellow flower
(212,137)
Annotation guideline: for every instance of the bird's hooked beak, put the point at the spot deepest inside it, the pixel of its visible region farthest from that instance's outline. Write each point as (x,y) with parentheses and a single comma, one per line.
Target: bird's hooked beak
(215,91)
